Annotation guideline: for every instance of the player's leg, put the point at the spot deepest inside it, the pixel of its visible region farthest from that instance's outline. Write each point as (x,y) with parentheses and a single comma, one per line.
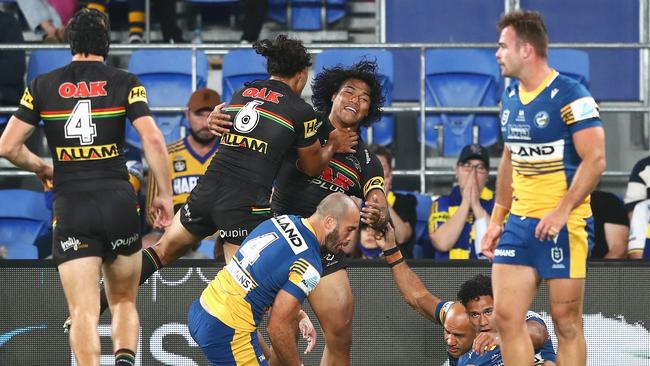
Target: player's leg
(333,304)
(514,288)
(80,280)
(566,297)
(121,283)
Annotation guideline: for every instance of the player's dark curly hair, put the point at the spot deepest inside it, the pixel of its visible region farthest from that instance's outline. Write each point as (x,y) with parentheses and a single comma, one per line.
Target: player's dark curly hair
(284,56)
(88,33)
(475,287)
(329,81)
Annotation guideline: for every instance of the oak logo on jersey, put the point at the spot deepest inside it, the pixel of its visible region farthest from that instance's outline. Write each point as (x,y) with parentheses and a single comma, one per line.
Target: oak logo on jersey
(376,182)
(310,128)
(83,89)
(234,140)
(137,94)
(27,100)
(269,96)
(79,153)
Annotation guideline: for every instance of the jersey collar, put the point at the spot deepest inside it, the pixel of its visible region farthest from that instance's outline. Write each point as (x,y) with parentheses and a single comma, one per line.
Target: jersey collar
(527,97)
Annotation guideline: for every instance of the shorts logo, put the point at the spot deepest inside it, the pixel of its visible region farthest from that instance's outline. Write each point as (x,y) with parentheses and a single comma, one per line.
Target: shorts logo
(188,214)
(541,119)
(234,233)
(505,253)
(310,128)
(27,100)
(125,241)
(557,255)
(87,152)
(137,94)
(73,243)
(504,117)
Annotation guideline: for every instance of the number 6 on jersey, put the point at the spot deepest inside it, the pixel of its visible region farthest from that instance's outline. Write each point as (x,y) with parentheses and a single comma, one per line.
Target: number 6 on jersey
(80,124)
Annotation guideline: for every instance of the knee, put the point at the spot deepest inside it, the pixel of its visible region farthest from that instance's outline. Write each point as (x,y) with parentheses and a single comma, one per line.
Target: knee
(567,323)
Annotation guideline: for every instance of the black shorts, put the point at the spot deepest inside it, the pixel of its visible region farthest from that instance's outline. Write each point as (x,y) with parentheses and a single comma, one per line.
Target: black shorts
(97,223)
(225,203)
(333,262)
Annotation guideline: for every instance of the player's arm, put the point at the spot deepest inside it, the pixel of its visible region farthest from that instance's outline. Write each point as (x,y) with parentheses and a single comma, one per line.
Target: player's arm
(409,284)
(314,158)
(12,147)
(155,151)
(375,211)
(502,203)
(616,236)
(282,326)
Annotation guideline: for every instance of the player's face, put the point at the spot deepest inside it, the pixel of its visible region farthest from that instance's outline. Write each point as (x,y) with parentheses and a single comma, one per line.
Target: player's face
(480,313)
(344,232)
(199,125)
(350,105)
(388,172)
(472,169)
(459,335)
(508,55)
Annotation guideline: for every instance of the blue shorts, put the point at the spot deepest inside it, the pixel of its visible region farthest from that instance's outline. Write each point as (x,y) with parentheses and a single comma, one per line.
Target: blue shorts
(564,257)
(222,345)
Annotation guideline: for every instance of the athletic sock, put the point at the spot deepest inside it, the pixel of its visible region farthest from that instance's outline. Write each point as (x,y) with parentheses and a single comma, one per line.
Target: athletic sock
(150,264)
(124,357)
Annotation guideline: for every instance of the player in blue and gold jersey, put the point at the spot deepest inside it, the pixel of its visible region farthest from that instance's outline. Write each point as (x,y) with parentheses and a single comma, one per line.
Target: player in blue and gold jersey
(84,107)
(553,159)
(277,265)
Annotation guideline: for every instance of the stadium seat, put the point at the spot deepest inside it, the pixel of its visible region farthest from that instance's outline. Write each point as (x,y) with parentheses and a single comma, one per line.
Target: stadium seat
(22,223)
(382,131)
(306,15)
(461,78)
(572,63)
(42,61)
(207,248)
(422,247)
(239,67)
(167,77)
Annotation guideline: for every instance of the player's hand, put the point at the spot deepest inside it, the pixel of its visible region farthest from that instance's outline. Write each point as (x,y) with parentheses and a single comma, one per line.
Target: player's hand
(308,333)
(385,240)
(551,224)
(344,139)
(485,341)
(489,242)
(372,214)
(219,123)
(162,211)
(45,174)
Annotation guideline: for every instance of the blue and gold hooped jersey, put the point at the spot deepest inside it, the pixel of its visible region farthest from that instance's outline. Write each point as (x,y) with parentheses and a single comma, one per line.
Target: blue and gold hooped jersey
(537,129)
(493,356)
(280,254)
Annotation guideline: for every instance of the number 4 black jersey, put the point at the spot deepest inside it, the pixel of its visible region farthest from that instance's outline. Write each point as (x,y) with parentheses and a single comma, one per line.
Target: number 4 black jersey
(84,106)
(268,120)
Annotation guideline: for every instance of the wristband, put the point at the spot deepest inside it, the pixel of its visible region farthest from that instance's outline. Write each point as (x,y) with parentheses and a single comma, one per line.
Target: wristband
(393,256)
(400,260)
(499,214)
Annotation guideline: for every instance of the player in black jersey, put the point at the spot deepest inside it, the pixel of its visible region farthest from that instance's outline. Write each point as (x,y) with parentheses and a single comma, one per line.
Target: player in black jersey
(84,106)
(345,97)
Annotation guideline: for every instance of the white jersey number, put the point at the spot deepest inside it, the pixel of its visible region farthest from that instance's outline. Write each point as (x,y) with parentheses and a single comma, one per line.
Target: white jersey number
(247,117)
(80,124)
(252,249)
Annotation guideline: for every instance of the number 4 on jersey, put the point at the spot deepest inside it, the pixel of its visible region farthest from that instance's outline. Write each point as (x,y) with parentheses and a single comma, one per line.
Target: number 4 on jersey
(80,124)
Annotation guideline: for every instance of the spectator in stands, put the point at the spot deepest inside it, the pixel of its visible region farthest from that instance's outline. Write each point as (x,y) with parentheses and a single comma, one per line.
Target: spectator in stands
(188,157)
(401,208)
(611,226)
(254,15)
(11,83)
(42,16)
(458,221)
(638,247)
(165,11)
(638,186)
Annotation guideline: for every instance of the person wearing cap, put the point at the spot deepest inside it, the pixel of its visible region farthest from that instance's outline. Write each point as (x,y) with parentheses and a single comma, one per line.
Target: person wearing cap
(459,220)
(188,157)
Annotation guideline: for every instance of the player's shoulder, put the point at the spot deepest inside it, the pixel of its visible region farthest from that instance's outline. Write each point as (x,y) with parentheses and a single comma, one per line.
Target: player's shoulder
(568,89)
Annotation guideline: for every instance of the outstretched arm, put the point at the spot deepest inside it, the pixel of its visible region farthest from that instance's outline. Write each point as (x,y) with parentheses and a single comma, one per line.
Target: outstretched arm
(282,327)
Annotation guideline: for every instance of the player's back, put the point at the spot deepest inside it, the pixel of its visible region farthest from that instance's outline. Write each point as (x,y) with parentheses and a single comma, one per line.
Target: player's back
(268,119)
(84,106)
(537,128)
(280,254)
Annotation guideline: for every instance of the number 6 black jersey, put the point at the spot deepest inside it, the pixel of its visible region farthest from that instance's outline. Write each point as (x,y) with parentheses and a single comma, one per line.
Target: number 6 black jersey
(84,106)
(268,119)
